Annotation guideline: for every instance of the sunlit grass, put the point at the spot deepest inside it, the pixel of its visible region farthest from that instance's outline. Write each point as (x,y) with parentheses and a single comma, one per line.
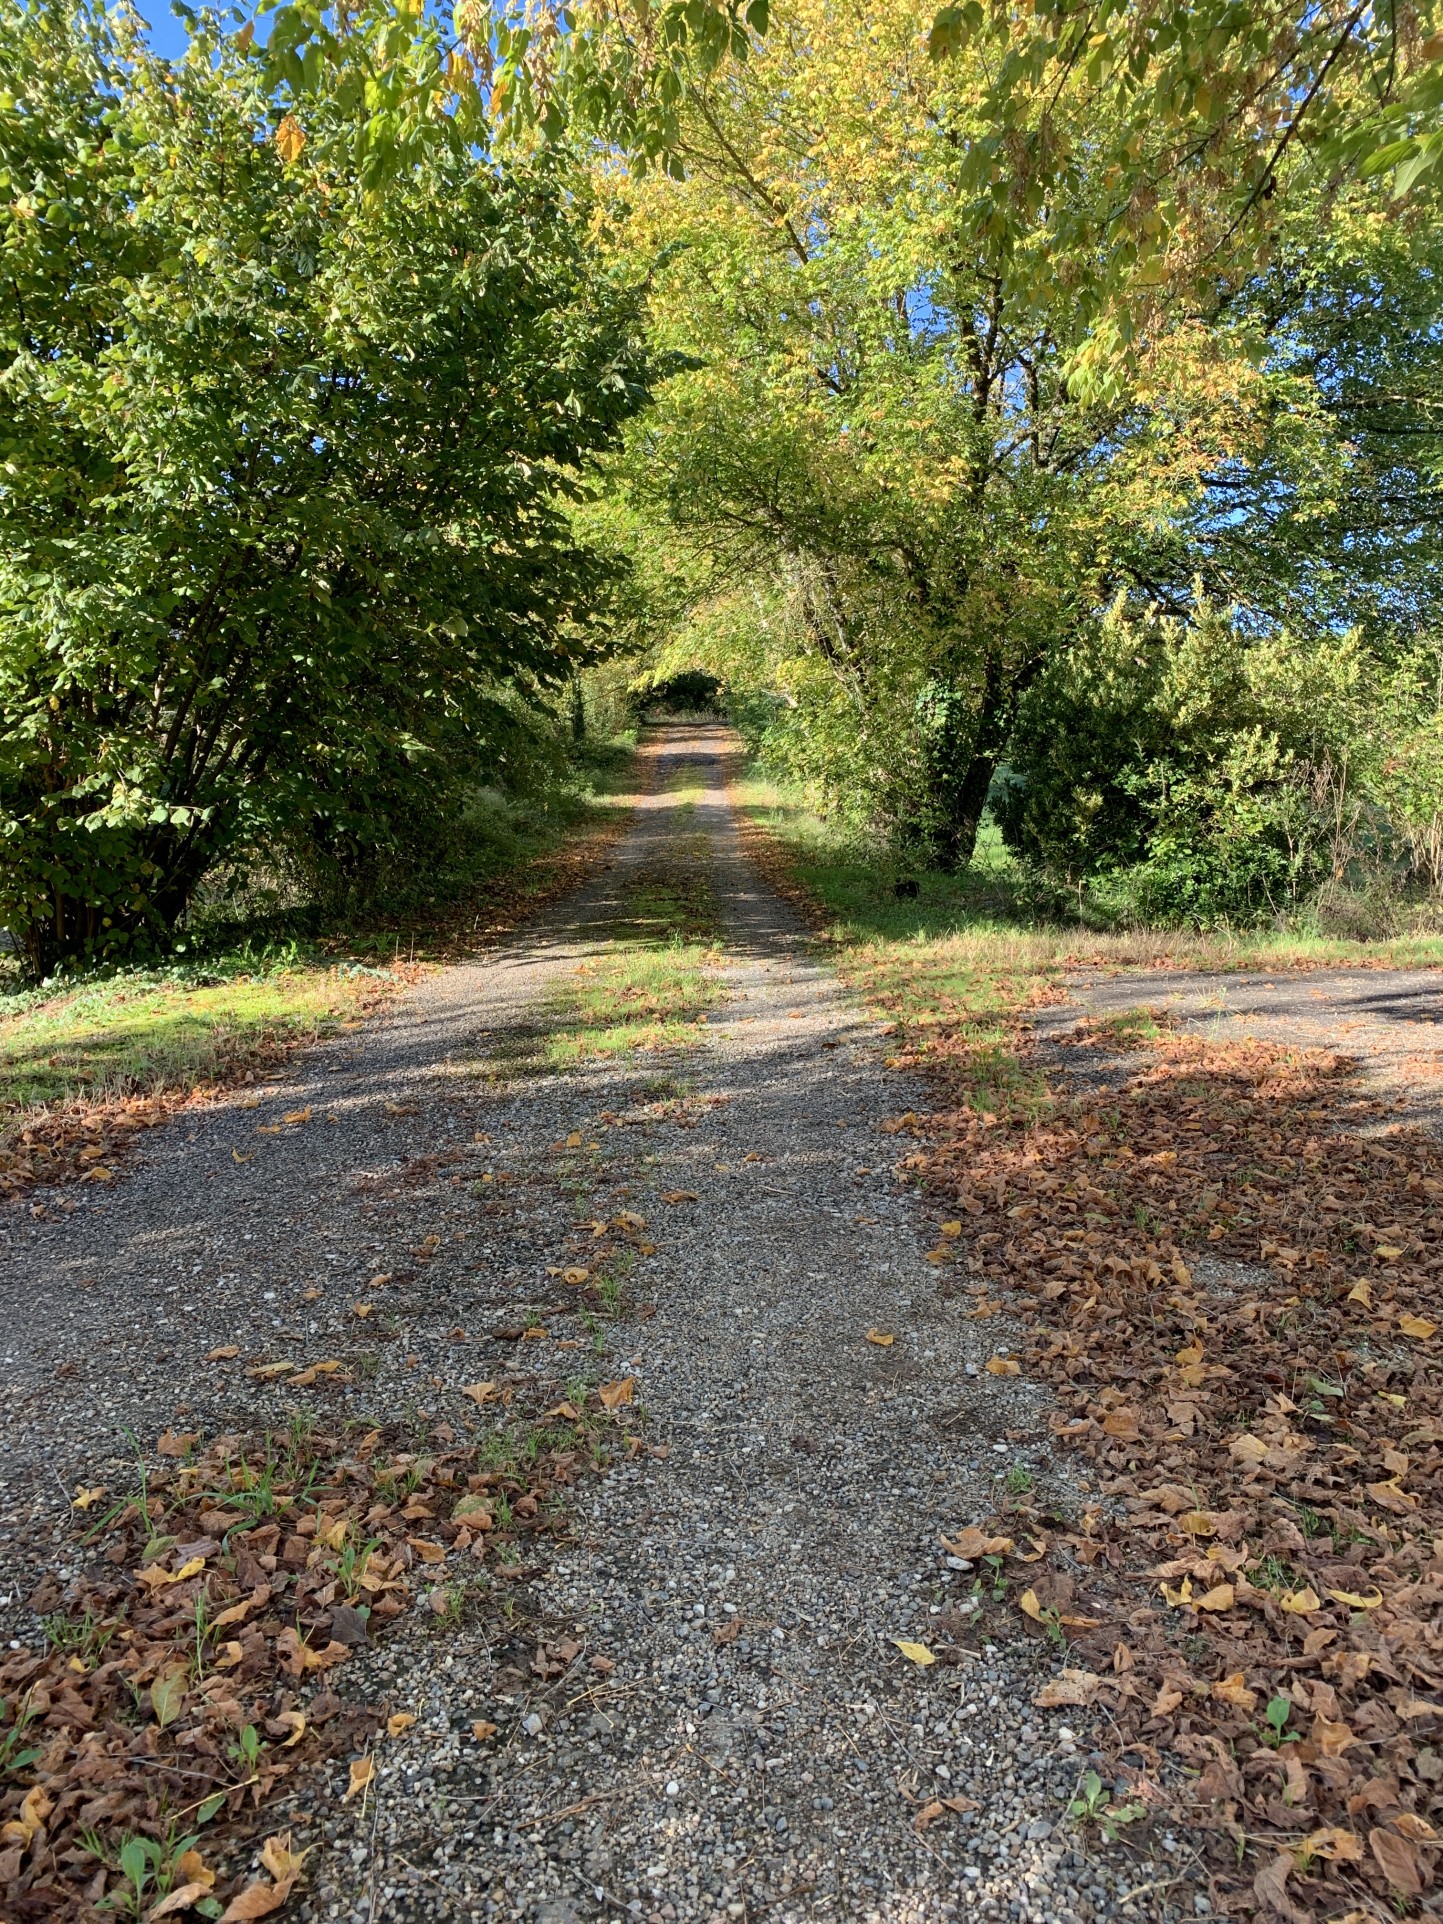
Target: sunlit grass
(143,1033)
(955,967)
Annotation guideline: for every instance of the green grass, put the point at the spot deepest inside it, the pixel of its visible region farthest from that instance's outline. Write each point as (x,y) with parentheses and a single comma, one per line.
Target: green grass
(659,975)
(967,955)
(249,991)
(148,1030)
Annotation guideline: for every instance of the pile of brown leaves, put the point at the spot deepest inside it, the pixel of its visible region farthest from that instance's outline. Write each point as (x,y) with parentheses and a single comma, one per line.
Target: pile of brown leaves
(188,1673)
(1233,1292)
(78,1142)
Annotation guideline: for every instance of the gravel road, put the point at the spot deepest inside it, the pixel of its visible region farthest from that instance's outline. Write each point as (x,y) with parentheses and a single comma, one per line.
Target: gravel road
(762,1747)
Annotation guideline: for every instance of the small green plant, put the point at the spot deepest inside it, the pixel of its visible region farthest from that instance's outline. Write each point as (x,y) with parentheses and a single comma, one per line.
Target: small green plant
(12,1756)
(245,1752)
(150,1867)
(1275,1720)
(84,1638)
(1019,1480)
(1094,1805)
(992,1578)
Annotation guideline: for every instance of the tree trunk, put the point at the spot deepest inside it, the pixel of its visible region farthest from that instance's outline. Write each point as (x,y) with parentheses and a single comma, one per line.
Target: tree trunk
(964,745)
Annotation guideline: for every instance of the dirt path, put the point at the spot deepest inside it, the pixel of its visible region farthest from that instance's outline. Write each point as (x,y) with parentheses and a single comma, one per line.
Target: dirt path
(754,1743)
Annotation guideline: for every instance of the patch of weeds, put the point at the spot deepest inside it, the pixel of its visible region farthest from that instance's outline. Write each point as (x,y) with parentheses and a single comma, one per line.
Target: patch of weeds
(1094,1805)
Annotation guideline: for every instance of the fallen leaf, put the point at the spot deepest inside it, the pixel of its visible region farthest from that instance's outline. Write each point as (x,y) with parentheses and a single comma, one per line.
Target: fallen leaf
(280,1860)
(917,1653)
(1336,1845)
(363,1772)
(481,1730)
(1169,1696)
(1247,1449)
(1072,1687)
(400,1722)
(1300,1603)
(167,1695)
(576,1275)
(480,1393)
(1234,1690)
(679,1196)
(84,1498)
(426,1551)
(1221,1597)
(1397,1860)
(971,1543)
(951,1231)
(566,1411)
(614,1395)
(881,1338)
(1003,1366)
(1416,1326)
(157,1577)
(1361,1292)
(171,1444)
(236,1156)
(292,1720)
(225,1354)
(362,1309)
(1356,1602)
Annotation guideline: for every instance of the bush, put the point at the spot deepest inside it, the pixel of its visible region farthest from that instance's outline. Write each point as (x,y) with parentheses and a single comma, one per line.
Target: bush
(283,542)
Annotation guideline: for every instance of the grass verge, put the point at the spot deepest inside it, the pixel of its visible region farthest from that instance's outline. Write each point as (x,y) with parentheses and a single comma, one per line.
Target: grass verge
(85,1064)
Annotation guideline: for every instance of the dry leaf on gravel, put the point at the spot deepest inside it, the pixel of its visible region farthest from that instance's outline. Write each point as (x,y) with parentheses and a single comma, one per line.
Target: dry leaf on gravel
(917,1653)
(613,1396)
(882,1338)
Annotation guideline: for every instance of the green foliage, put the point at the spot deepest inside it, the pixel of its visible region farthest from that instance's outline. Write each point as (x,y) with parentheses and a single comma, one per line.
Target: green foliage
(1192,772)
(284,551)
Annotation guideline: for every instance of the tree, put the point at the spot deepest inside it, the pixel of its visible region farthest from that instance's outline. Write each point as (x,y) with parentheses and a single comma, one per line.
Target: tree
(286,463)
(919,434)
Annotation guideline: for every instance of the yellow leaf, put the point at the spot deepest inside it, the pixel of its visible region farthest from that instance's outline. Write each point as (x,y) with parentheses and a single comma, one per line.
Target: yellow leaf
(236,1156)
(1356,1602)
(295,1723)
(951,1231)
(1198,1523)
(362,1309)
(480,1393)
(156,1577)
(481,1730)
(279,1859)
(427,1552)
(1247,1449)
(917,1653)
(882,1338)
(1300,1603)
(1361,1292)
(1416,1326)
(576,1276)
(290,139)
(400,1722)
(1029,1606)
(1221,1597)
(363,1772)
(1388,1251)
(84,1498)
(1234,1690)
(297,1115)
(1003,1366)
(573,1141)
(614,1395)
(679,1196)
(567,1412)
(1337,1846)
(222,1355)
